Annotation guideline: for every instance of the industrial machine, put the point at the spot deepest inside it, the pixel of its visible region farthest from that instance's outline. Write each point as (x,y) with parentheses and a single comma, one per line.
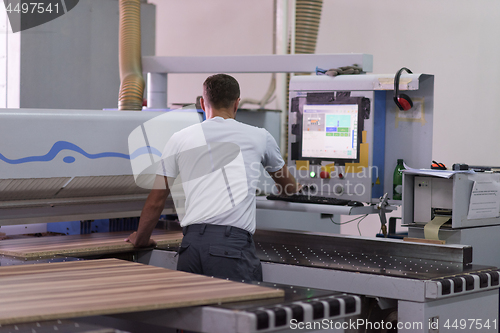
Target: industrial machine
(344,136)
(79,168)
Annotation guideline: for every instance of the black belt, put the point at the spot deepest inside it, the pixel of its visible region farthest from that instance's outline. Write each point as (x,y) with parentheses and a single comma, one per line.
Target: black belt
(202,227)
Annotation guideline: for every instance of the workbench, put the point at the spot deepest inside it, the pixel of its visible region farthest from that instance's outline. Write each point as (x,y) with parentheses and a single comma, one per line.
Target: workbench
(428,285)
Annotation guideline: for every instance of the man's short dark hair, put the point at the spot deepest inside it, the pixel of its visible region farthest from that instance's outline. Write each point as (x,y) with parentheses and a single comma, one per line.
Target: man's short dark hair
(221,91)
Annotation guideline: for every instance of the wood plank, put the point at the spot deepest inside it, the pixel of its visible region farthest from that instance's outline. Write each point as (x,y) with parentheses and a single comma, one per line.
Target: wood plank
(108,286)
(96,243)
(424,241)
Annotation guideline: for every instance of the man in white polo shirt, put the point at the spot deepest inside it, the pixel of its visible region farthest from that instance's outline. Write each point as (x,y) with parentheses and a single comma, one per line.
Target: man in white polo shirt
(216,162)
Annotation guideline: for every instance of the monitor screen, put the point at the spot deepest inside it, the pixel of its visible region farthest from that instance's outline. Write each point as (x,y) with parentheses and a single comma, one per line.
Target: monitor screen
(330,132)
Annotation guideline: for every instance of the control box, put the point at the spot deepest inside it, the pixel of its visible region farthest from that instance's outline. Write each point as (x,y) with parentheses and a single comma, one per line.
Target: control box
(345,133)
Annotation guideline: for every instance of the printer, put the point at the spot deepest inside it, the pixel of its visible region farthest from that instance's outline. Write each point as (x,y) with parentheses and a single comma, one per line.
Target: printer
(455,207)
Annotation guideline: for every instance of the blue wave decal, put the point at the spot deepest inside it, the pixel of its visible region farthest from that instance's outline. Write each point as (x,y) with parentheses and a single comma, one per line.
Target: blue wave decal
(144,151)
(64,145)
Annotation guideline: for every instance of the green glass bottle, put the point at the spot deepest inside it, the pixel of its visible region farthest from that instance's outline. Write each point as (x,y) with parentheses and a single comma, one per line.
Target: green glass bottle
(398,181)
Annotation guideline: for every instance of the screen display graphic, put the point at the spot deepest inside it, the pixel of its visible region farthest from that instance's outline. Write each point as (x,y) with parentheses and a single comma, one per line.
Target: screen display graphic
(330,132)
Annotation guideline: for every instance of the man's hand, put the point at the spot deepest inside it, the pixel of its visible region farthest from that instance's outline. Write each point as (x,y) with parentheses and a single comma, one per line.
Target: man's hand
(150,214)
(133,240)
(285,182)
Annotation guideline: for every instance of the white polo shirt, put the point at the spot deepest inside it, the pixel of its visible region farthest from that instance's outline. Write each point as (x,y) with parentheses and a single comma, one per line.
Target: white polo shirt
(216,165)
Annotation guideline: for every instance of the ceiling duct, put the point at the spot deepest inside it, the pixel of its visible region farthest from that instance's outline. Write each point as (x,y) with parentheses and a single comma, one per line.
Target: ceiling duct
(307,19)
(132,82)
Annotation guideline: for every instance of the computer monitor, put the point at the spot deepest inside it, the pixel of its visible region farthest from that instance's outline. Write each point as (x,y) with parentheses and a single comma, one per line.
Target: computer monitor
(331,132)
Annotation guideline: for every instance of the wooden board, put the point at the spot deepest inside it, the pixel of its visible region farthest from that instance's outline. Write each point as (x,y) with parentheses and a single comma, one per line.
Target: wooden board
(108,286)
(97,243)
(424,241)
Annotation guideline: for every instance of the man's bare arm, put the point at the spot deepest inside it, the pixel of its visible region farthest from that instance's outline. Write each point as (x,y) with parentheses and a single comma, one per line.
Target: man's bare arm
(285,181)
(150,214)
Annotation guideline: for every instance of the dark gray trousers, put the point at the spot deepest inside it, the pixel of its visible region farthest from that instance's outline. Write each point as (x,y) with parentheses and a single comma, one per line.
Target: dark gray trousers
(219,251)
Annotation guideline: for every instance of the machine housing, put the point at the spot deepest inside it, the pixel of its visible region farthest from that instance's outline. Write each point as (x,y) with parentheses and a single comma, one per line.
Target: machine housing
(383,132)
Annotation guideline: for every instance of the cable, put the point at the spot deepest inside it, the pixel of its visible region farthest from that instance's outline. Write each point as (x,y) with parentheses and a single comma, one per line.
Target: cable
(267,97)
(360,222)
(354,219)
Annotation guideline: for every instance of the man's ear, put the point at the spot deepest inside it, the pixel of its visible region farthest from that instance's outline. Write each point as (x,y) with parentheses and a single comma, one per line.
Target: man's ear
(202,102)
(236,104)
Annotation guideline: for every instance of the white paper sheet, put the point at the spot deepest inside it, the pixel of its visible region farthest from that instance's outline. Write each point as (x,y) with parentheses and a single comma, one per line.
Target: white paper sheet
(484,200)
(433,172)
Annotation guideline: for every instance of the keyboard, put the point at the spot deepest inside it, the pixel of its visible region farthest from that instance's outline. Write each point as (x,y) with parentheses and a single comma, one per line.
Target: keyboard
(301,198)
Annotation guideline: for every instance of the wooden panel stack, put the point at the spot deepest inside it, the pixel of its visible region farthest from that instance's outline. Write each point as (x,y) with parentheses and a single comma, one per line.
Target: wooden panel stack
(108,286)
(73,245)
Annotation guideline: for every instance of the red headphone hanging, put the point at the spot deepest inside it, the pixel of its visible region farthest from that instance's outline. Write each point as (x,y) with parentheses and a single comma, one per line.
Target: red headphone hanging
(403,101)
